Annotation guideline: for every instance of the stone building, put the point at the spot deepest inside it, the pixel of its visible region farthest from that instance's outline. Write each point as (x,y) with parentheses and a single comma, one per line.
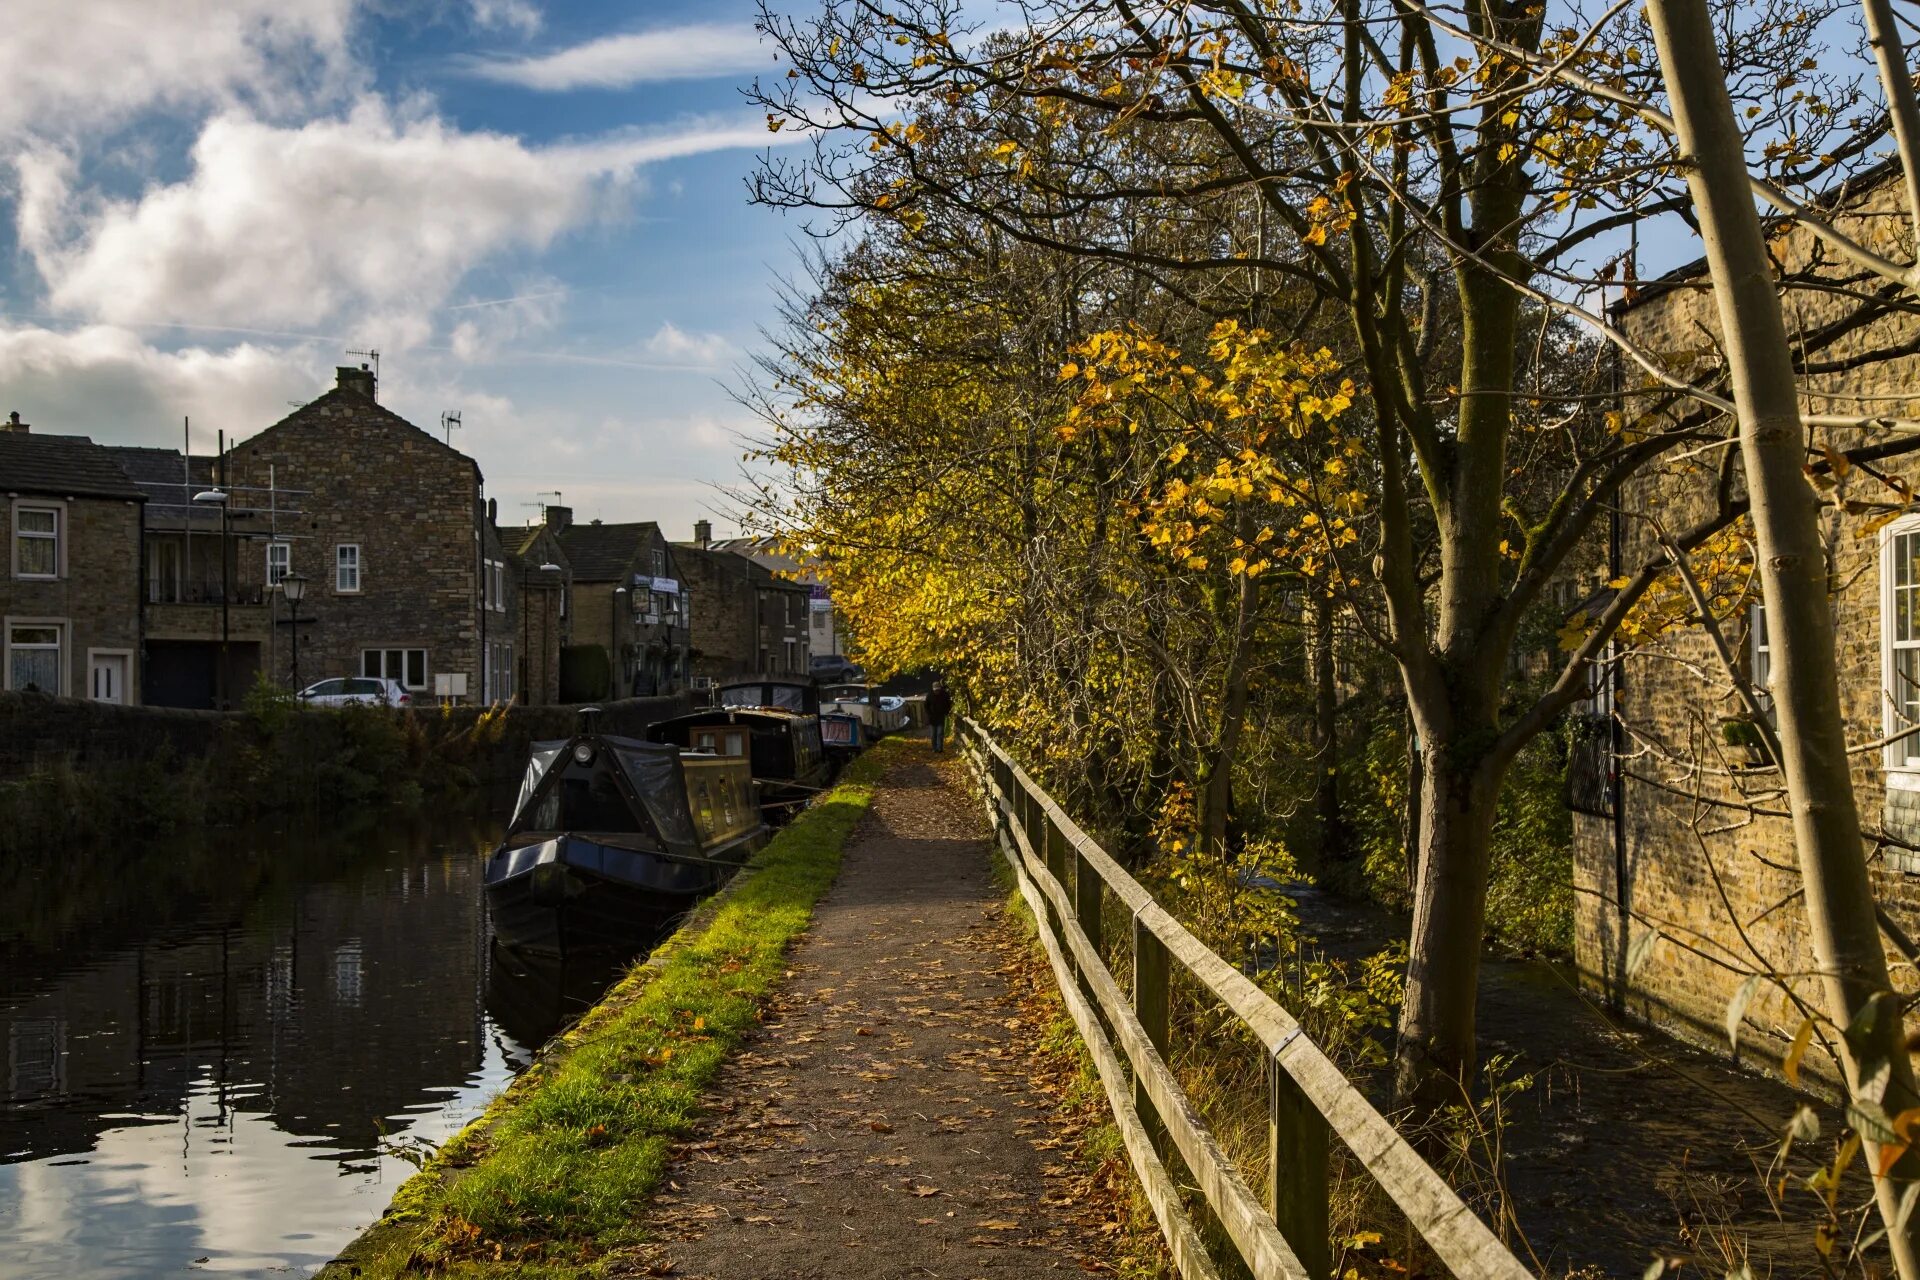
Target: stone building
(1685,872)
(627,601)
(207,630)
(406,577)
(747,620)
(823,625)
(70,601)
(544,577)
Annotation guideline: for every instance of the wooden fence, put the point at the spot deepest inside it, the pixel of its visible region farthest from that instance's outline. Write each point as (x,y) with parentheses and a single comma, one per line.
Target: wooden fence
(1067,878)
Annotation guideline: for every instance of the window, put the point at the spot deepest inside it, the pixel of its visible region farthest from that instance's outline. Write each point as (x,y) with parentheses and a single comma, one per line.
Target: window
(408,666)
(499,673)
(346,567)
(659,562)
(1760,656)
(1900,630)
(495,586)
(33,656)
(36,542)
(279,562)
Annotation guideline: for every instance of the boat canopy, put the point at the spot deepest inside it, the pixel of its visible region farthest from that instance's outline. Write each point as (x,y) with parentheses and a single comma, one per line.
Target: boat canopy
(622,785)
(544,754)
(783,695)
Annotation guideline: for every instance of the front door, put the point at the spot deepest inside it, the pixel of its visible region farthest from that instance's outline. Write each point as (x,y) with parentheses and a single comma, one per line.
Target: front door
(107,677)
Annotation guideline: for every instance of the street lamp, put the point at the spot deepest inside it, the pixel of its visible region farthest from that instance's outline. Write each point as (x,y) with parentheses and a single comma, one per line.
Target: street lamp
(294,587)
(622,602)
(217,498)
(546,607)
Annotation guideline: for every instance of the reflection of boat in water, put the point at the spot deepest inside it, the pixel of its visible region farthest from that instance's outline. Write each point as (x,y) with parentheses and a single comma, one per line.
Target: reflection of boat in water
(533,997)
(773,723)
(613,839)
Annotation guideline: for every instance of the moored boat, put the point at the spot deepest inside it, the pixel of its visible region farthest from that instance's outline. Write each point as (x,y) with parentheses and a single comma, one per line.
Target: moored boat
(880,714)
(613,839)
(774,725)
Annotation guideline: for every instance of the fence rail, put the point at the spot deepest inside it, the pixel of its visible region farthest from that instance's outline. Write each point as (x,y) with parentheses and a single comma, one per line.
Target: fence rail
(1066,878)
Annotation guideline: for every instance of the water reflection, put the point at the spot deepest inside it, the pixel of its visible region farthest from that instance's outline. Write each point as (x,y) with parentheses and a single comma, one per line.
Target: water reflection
(205,1042)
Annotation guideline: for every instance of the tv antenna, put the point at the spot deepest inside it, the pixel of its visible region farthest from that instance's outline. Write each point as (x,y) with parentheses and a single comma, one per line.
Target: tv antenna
(373,354)
(449,419)
(541,503)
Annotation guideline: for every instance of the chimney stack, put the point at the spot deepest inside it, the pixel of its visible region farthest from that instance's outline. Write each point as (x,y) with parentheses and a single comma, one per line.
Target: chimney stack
(360,380)
(13,423)
(703,533)
(559,518)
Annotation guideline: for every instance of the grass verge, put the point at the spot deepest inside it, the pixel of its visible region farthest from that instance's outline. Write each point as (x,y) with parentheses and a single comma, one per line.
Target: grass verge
(551,1177)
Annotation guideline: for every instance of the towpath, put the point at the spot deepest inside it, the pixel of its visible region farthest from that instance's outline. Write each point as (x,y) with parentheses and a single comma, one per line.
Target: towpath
(891,1118)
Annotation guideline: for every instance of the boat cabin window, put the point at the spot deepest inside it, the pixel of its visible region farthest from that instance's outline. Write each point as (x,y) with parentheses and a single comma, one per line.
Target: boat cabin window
(721,742)
(588,798)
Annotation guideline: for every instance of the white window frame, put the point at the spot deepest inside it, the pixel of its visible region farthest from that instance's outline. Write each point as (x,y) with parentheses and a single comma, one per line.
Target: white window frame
(1902,758)
(1760,655)
(496,585)
(58,537)
(61,646)
(279,563)
(340,567)
(385,651)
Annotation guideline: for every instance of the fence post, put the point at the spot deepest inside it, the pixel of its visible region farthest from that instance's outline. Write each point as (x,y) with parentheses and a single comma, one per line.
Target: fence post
(1088,909)
(1297,1137)
(1150,1005)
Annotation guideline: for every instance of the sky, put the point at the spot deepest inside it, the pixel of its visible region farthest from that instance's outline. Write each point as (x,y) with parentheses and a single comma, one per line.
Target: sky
(534,209)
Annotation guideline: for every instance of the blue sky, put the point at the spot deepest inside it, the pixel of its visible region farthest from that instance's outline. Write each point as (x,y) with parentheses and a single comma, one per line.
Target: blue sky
(534,208)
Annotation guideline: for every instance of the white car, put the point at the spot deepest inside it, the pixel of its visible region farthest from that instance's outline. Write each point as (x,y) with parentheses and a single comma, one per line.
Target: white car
(370,691)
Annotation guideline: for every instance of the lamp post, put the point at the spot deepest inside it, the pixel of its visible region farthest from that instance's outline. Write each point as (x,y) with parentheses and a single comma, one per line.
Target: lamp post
(218,498)
(622,601)
(294,587)
(526,655)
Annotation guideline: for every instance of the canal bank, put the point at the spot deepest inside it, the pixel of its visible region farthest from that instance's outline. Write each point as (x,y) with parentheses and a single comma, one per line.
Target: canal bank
(552,1173)
(77,774)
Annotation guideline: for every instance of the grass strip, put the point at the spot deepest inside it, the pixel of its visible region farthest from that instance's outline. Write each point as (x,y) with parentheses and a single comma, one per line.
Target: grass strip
(553,1175)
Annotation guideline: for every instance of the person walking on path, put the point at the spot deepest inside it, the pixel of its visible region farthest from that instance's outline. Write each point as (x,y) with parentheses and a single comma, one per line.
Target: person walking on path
(939,707)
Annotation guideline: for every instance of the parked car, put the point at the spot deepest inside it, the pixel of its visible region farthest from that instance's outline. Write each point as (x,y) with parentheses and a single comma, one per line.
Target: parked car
(835,668)
(371,691)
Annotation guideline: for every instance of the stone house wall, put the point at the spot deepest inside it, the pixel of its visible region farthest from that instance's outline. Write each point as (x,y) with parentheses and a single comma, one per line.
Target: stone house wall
(96,599)
(1700,848)
(357,475)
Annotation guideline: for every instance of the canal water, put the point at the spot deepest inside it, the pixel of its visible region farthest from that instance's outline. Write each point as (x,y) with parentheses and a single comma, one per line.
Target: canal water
(217,1054)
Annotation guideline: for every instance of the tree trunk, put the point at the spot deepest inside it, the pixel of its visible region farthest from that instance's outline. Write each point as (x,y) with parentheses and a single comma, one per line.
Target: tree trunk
(1434,1060)
(1326,732)
(1216,800)
(1793,579)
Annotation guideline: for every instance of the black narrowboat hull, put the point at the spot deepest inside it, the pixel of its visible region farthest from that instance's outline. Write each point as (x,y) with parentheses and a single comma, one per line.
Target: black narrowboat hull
(573,893)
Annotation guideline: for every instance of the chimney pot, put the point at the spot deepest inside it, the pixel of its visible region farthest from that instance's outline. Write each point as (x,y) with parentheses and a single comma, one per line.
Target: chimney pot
(360,380)
(13,423)
(703,532)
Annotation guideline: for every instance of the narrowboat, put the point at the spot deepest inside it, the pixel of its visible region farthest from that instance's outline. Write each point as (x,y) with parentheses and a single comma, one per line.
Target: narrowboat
(613,840)
(842,737)
(774,725)
(880,714)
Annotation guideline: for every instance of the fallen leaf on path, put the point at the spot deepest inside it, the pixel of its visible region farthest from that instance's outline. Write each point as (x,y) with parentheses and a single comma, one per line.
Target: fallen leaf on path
(924,1191)
(999,1224)
(880,1126)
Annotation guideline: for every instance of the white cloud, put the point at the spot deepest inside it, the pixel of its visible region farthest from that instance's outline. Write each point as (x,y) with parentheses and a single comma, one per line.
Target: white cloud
(108,382)
(67,69)
(516,15)
(368,220)
(673,345)
(696,52)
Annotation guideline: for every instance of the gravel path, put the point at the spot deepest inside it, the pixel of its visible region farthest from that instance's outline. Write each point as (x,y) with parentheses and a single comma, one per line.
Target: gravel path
(888,1118)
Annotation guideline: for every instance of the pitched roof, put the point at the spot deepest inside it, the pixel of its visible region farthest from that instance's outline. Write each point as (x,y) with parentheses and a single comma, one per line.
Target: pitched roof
(354,401)
(61,465)
(605,552)
(160,475)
